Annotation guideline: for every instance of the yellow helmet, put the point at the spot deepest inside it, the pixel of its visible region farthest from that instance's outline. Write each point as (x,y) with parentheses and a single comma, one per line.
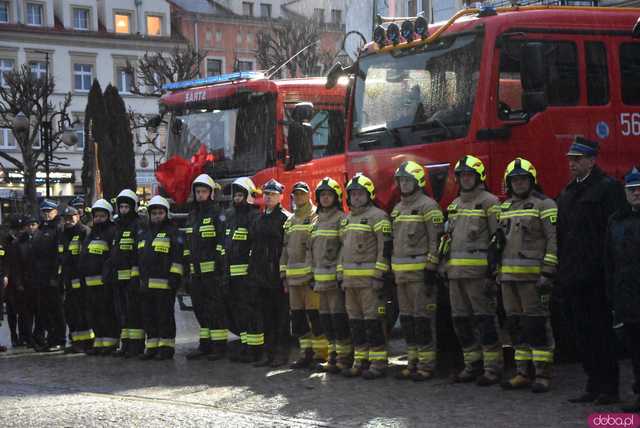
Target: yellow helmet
(470,163)
(520,166)
(360,181)
(329,183)
(246,184)
(413,170)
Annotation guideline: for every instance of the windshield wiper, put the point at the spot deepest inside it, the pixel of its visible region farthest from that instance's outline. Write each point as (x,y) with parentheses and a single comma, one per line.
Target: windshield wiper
(393,132)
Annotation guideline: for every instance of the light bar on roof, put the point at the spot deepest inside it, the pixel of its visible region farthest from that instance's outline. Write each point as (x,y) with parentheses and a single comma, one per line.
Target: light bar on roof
(212,80)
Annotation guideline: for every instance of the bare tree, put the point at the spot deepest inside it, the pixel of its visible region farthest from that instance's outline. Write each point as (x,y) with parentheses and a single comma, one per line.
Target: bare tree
(24,92)
(286,38)
(151,73)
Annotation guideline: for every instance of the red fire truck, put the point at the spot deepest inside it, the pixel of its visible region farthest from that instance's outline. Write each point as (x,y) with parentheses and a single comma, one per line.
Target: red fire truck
(290,130)
(495,83)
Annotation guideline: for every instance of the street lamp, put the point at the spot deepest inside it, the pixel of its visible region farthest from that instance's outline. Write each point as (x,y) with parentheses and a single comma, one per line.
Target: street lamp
(144,162)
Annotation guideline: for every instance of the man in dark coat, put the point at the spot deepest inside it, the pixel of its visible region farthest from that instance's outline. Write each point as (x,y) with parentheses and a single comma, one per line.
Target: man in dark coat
(623,274)
(584,208)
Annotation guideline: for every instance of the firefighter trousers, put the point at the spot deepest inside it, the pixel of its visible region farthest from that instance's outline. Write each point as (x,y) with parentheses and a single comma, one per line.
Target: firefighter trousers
(102,317)
(75,309)
(473,309)
(134,320)
(335,324)
(418,322)
(159,319)
(240,302)
(208,306)
(529,327)
(365,308)
(305,321)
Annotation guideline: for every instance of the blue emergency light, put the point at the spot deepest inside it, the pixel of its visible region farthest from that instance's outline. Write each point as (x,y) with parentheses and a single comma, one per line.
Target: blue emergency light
(212,80)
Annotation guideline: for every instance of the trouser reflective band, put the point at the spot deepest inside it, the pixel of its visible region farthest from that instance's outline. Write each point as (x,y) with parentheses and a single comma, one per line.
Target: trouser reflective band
(344,350)
(92,281)
(243,337)
(542,356)
(377,355)
(255,339)
(238,270)
(97,343)
(82,335)
(206,267)
(305,342)
(109,342)
(204,333)
(412,353)
(124,274)
(136,334)
(135,272)
(152,343)
(167,343)
(219,335)
(408,264)
(491,356)
(75,284)
(472,357)
(124,333)
(427,356)
(159,283)
(523,355)
(176,268)
(319,343)
(361,354)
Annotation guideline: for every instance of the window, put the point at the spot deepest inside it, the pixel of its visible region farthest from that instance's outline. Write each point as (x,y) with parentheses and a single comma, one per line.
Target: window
(412,7)
(154,25)
(630,73)
(318,15)
(122,23)
(265,10)
(6,65)
(597,73)
(245,65)
(214,67)
(218,37)
(34,14)
(336,16)
(124,80)
(79,131)
(6,139)
(80,19)
(82,75)
(247,8)
(4,12)
(249,40)
(38,69)
(239,38)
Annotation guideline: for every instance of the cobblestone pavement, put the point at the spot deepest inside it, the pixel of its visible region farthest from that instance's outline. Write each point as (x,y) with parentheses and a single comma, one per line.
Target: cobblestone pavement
(76,390)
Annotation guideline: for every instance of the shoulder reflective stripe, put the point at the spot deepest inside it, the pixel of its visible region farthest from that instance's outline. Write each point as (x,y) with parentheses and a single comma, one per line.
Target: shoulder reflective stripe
(409,218)
(520,213)
(470,213)
(329,233)
(494,209)
(382,266)
(206,267)
(238,270)
(549,213)
(383,226)
(435,216)
(176,268)
(159,283)
(124,274)
(206,227)
(98,247)
(75,284)
(358,227)
(135,272)
(186,252)
(92,281)
(551,259)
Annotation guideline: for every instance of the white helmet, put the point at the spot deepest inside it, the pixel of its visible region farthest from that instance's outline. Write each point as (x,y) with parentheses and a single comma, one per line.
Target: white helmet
(102,204)
(128,194)
(205,180)
(247,184)
(158,201)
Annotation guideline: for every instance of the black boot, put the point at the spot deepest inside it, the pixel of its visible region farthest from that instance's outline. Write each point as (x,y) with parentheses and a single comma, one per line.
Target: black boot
(304,361)
(218,351)
(149,354)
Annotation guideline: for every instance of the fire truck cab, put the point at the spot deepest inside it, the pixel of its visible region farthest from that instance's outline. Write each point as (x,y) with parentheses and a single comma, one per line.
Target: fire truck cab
(496,83)
(291,130)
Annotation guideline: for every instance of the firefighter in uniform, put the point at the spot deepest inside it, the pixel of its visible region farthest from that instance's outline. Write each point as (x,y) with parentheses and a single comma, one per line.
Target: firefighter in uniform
(472,221)
(295,269)
(417,225)
(75,305)
(127,298)
(324,249)
(160,263)
(528,263)
(270,301)
(77,202)
(93,256)
(363,266)
(204,254)
(237,247)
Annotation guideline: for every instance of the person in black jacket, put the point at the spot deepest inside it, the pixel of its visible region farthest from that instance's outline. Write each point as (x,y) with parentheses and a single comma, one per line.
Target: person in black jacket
(9,296)
(75,305)
(46,255)
(93,257)
(623,274)
(584,208)
(270,322)
(160,254)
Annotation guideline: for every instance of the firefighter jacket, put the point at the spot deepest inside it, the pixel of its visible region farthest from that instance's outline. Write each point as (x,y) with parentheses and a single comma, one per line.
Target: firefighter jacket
(417,226)
(46,253)
(472,220)
(295,262)
(95,253)
(266,248)
(160,257)
(529,226)
(324,248)
(366,240)
(237,240)
(72,241)
(205,239)
(122,260)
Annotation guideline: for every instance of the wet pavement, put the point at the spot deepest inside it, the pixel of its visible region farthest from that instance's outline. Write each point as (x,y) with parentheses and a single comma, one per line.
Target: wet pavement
(76,390)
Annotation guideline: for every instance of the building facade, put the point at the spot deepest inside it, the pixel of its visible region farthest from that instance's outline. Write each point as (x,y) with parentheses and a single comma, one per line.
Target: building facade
(75,42)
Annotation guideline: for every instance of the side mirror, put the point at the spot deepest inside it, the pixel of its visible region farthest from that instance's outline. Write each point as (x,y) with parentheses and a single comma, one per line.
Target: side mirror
(534,77)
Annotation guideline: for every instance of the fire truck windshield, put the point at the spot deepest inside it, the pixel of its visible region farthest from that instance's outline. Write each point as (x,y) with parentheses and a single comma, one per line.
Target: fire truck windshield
(417,96)
(240,136)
